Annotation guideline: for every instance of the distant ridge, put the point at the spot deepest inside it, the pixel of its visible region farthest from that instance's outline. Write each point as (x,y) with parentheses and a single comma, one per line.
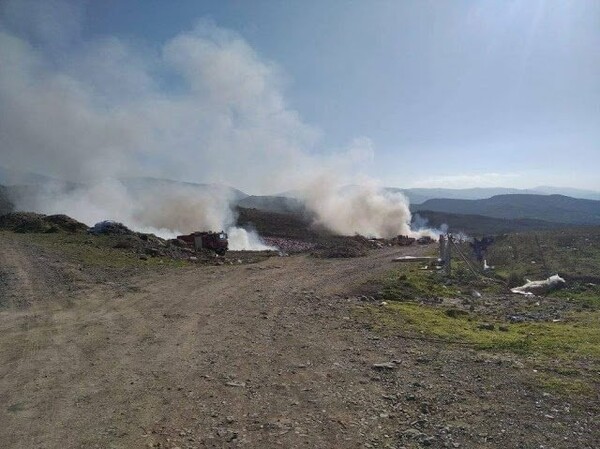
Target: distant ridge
(477,225)
(551,208)
(278,204)
(420,195)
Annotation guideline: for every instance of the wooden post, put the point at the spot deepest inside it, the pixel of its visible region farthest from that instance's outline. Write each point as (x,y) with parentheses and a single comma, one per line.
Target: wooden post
(448,258)
(442,242)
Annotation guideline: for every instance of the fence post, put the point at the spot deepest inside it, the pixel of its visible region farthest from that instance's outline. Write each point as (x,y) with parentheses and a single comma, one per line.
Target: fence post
(448,258)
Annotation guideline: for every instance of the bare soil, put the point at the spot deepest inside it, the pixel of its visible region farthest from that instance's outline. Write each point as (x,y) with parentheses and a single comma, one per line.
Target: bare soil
(250,355)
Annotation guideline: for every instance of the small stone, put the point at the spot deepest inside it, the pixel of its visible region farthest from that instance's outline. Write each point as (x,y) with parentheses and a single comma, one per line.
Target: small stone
(487,326)
(412,433)
(384,366)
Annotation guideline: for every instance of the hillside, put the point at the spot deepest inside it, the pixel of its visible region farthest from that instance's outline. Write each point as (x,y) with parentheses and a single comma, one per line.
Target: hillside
(136,184)
(552,208)
(274,224)
(476,225)
(278,204)
(420,195)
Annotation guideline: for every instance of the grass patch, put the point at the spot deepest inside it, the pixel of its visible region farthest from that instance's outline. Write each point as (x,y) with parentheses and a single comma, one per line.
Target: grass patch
(410,283)
(95,251)
(15,408)
(586,294)
(573,253)
(564,387)
(576,338)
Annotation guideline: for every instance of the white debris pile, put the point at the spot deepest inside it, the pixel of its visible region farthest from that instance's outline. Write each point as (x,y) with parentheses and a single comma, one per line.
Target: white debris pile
(540,287)
(289,245)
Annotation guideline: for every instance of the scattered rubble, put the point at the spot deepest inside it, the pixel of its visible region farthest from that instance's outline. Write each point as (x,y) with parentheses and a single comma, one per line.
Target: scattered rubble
(425,240)
(289,245)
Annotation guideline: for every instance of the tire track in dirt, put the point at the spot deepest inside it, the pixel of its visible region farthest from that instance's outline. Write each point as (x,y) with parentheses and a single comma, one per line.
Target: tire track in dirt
(17,288)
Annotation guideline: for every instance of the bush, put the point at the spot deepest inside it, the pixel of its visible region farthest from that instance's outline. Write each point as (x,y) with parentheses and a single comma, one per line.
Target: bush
(514,279)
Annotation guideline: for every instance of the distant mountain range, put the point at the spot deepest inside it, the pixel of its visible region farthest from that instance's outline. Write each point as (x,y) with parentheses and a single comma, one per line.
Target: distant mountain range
(142,183)
(550,208)
(476,225)
(478,193)
(515,209)
(278,204)
(9,177)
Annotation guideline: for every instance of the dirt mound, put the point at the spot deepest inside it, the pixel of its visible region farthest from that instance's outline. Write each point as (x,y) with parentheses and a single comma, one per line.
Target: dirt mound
(342,247)
(66,223)
(24,222)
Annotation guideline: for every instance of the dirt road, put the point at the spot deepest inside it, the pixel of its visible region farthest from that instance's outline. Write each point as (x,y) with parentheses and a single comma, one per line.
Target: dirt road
(262,355)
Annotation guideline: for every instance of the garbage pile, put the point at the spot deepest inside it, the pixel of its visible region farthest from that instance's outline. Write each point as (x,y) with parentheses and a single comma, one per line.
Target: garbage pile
(144,245)
(288,245)
(109,227)
(399,240)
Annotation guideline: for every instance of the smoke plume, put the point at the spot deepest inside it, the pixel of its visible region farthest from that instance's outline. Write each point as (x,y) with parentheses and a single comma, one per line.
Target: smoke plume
(204,107)
(366,209)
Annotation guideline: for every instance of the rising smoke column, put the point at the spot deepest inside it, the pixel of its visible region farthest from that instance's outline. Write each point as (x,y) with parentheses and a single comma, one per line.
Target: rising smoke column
(366,210)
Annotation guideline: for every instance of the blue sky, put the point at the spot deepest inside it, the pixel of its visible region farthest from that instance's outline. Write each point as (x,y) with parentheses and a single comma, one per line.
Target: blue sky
(445,94)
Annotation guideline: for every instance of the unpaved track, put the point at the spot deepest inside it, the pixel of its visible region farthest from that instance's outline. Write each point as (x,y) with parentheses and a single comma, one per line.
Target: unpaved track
(264,355)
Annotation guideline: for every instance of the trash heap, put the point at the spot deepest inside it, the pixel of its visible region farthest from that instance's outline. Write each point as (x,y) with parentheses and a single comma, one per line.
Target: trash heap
(288,245)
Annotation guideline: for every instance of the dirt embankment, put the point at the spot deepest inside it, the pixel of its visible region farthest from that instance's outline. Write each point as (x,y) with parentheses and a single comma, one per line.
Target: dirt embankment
(261,355)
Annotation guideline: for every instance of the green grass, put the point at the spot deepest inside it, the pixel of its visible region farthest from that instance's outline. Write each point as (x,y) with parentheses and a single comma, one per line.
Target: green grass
(575,338)
(410,283)
(572,253)
(564,386)
(95,251)
(588,296)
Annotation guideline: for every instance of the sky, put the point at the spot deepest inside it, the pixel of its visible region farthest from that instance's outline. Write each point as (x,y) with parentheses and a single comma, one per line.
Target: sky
(423,93)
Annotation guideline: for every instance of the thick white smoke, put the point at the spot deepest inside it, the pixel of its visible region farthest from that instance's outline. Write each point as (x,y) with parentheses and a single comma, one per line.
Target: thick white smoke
(99,111)
(163,209)
(366,209)
(242,239)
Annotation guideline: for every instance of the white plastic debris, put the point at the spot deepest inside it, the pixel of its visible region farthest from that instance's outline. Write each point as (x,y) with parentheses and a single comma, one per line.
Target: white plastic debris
(486,266)
(540,287)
